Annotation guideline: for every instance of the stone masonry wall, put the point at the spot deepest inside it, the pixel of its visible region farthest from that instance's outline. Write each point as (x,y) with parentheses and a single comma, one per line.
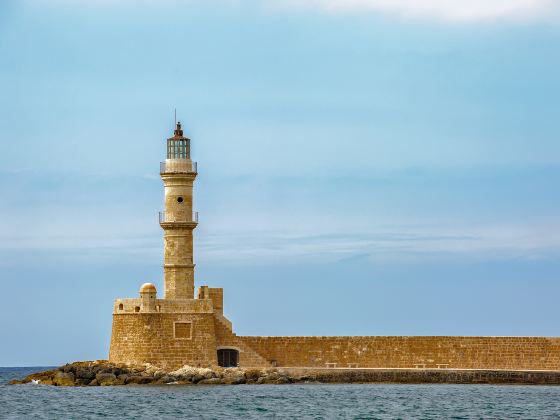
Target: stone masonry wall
(178,262)
(151,338)
(178,235)
(226,338)
(516,353)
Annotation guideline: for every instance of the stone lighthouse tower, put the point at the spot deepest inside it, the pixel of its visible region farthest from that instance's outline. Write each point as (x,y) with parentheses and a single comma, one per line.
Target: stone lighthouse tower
(178,220)
(180,329)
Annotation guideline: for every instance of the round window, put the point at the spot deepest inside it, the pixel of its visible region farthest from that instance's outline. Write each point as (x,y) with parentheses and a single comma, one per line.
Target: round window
(179,199)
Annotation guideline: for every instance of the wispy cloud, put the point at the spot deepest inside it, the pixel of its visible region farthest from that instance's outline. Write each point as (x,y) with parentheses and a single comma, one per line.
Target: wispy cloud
(249,246)
(384,243)
(286,219)
(443,10)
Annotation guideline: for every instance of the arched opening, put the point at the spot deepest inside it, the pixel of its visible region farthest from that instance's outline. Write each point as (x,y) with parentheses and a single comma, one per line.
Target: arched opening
(228,357)
(121,307)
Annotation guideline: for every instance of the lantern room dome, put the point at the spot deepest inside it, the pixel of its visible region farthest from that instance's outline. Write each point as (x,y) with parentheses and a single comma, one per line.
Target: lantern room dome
(147,287)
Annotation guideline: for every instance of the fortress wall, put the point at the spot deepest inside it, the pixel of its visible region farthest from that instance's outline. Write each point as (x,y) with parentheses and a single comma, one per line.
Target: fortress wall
(516,353)
(225,338)
(155,338)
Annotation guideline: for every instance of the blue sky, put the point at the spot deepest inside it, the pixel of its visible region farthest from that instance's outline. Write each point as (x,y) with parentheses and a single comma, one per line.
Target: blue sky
(365,167)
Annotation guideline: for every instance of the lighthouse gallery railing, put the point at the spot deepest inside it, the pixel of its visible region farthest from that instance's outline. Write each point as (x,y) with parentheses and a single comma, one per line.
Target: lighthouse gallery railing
(165,217)
(178,166)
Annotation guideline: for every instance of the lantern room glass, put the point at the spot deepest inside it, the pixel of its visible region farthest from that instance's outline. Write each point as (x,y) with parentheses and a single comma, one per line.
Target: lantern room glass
(178,148)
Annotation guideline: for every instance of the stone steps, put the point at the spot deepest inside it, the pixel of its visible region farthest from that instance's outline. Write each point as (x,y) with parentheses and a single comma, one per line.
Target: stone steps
(227,338)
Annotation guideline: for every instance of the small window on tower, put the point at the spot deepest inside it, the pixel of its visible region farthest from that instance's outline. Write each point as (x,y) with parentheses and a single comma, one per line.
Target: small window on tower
(179,199)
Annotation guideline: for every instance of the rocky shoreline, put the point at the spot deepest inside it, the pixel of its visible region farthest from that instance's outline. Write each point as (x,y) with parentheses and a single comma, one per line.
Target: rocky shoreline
(103,373)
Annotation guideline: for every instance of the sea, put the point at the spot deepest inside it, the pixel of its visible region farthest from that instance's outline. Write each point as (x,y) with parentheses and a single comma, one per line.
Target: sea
(306,401)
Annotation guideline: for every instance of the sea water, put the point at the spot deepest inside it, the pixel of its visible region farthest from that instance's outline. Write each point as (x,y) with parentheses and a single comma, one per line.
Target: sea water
(313,401)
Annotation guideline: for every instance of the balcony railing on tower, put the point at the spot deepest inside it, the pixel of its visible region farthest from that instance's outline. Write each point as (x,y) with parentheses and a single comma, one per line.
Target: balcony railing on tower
(177,166)
(180,217)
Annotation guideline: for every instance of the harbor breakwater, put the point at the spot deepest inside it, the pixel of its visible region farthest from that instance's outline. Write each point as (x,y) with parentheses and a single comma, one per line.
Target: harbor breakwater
(103,373)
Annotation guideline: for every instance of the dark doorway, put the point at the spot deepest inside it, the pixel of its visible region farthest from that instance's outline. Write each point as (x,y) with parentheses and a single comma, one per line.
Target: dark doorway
(228,357)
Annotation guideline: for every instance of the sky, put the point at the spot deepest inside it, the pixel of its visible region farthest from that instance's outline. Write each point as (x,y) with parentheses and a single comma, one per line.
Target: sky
(366,167)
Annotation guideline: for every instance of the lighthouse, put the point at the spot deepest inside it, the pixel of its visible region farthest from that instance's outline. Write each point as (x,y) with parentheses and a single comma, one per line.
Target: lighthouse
(180,328)
(178,220)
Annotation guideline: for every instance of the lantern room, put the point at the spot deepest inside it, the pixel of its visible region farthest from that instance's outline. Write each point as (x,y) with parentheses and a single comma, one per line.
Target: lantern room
(178,146)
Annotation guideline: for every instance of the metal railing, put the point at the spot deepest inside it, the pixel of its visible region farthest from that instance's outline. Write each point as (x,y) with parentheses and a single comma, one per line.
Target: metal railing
(178,166)
(180,217)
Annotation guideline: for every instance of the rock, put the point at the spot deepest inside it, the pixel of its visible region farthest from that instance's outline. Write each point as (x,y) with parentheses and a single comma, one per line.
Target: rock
(193,374)
(218,372)
(253,375)
(85,373)
(272,375)
(197,378)
(81,382)
(270,378)
(235,379)
(43,378)
(123,377)
(67,368)
(105,379)
(184,378)
(153,371)
(96,369)
(166,379)
(93,383)
(63,379)
(138,380)
(212,381)
(239,380)
(234,376)
(282,380)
